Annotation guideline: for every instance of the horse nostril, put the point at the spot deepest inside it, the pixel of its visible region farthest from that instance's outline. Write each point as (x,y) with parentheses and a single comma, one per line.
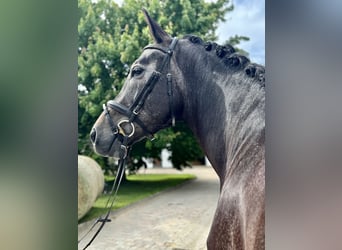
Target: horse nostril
(93,135)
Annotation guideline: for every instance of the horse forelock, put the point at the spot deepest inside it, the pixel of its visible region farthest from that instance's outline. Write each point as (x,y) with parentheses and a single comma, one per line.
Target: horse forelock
(233,61)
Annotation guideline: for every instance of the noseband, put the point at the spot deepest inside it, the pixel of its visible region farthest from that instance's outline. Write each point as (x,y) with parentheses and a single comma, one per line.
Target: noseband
(133,111)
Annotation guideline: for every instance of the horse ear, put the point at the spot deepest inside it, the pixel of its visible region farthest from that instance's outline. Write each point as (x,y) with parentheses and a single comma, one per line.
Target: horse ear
(157,33)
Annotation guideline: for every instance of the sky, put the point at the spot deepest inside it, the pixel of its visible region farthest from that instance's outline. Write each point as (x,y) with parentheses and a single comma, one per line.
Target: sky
(247,19)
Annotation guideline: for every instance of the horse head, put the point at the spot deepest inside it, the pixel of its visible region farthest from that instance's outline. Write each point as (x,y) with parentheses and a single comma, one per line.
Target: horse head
(149,100)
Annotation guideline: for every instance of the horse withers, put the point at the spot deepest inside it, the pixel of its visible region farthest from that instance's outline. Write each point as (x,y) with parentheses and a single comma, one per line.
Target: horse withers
(220,94)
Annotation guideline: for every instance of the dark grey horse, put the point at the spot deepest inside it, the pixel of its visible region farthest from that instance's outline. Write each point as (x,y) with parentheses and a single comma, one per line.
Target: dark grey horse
(221,96)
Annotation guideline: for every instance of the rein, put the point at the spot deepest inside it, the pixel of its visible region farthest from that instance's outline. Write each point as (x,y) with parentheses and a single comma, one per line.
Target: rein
(118,131)
(111,197)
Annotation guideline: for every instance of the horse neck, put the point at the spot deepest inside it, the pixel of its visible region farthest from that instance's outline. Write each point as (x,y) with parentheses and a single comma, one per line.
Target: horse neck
(218,109)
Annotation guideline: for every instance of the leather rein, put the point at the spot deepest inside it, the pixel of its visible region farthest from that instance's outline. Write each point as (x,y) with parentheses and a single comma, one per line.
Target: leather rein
(132,117)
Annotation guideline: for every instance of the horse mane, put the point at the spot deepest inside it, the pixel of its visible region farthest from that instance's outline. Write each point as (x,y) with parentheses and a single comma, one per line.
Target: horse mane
(231,59)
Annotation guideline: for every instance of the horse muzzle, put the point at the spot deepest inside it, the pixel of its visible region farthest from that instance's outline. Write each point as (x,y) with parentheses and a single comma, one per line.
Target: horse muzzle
(108,146)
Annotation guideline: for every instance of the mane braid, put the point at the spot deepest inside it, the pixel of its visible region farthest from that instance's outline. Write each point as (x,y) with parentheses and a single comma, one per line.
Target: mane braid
(232,60)
(194,39)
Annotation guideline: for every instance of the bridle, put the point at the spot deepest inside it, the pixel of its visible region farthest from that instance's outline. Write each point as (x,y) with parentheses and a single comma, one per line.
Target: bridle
(133,111)
(132,117)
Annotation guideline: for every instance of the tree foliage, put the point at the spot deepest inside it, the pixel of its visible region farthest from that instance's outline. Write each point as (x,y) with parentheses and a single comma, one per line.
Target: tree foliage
(235,40)
(111,37)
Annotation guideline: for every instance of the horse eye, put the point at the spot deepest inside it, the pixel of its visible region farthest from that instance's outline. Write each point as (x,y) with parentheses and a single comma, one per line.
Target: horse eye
(137,71)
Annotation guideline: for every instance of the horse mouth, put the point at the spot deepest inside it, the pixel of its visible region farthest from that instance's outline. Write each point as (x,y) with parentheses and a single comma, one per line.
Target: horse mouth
(112,150)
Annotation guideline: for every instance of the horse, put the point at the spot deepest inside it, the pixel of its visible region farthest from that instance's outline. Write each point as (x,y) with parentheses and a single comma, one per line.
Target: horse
(220,94)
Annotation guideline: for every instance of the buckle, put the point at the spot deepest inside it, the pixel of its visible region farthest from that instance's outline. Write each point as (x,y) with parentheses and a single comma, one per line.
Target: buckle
(136,110)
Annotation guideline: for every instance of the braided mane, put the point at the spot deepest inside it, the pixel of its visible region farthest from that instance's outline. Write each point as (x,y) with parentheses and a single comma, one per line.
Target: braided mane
(231,59)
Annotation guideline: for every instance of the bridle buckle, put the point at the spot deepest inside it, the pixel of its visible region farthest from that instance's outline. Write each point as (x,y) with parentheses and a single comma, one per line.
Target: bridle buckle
(135,111)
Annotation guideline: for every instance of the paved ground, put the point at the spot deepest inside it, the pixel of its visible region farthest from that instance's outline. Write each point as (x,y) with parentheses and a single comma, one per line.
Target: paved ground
(176,219)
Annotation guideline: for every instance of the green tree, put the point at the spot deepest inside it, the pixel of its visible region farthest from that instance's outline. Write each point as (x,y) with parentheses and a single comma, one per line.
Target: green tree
(110,39)
(235,40)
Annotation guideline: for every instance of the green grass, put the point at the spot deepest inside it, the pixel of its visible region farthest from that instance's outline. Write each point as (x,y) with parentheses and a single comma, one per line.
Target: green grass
(136,188)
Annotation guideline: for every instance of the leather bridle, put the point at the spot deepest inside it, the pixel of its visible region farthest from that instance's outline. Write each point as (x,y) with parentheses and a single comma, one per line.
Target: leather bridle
(133,111)
(132,117)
